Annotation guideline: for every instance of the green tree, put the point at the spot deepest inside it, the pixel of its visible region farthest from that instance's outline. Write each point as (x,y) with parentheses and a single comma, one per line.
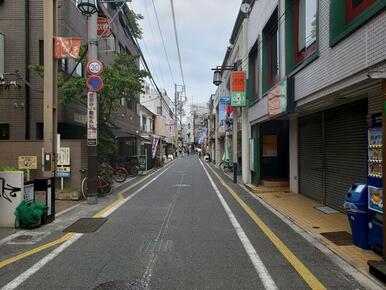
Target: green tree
(122,79)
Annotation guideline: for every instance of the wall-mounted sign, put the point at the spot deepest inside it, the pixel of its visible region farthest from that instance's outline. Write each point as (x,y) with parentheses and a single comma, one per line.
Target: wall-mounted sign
(94,67)
(92,119)
(28,162)
(66,47)
(103,27)
(63,171)
(94,83)
(238,89)
(277,99)
(64,156)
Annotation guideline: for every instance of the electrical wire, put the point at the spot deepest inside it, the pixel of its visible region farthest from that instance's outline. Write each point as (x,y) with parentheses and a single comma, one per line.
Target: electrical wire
(163,41)
(177,42)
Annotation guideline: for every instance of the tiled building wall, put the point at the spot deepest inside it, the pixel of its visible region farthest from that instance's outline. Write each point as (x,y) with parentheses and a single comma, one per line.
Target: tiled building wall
(360,50)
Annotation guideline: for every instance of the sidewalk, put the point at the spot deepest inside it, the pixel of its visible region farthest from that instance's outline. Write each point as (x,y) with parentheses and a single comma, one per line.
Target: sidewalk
(301,210)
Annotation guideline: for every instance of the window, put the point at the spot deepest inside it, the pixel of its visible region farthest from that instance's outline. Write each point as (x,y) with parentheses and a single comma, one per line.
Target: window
(159,110)
(255,71)
(355,7)
(62,65)
(271,51)
(39,131)
(305,28)
(41,52)
(144,123)
(79,70)
(346,16)
(4,131)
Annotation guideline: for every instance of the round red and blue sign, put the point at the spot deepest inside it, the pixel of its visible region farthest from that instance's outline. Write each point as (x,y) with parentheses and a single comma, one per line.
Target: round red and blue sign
(94,83)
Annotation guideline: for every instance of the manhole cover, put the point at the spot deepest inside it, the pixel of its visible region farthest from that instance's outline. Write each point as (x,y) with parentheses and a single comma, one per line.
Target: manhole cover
(86,225)
(120,285)
(339,238)
(153,246)
(22,238)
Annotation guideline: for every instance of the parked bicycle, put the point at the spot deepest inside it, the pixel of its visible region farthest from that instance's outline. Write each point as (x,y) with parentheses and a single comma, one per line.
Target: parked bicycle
(104,186)
(119,173)
(132,166)
(226,165)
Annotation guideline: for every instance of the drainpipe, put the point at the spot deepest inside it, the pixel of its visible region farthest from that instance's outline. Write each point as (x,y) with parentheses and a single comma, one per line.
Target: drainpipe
(27,74)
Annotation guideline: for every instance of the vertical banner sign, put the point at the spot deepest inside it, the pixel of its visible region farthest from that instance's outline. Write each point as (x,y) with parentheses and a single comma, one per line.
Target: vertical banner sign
(222,111)
(92,119)
(238,89)
(154,146)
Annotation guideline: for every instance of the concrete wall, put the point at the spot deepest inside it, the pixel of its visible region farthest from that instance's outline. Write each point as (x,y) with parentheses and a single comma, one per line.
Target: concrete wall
(11,150)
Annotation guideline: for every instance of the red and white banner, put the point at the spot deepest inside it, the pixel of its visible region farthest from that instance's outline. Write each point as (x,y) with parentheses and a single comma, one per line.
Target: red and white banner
(103,27)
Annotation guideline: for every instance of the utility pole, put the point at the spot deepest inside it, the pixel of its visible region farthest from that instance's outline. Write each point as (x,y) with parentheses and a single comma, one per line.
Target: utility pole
(234,145)
(50,89)
(92,194)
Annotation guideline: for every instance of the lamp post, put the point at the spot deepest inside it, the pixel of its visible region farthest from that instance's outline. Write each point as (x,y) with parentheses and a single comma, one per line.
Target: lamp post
(217,80)
(89,8)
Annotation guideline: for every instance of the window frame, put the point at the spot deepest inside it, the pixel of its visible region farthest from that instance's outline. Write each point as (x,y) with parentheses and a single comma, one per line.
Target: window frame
(301,55)
(353,12)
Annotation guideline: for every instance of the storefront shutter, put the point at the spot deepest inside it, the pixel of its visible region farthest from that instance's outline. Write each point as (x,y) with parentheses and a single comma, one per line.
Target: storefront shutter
(345,150)
(311,157)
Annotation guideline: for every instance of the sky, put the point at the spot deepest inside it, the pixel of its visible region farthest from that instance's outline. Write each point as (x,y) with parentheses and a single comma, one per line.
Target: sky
(204,28)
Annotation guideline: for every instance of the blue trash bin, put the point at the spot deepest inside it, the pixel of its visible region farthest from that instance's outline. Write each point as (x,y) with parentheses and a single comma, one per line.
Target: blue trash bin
(357,213)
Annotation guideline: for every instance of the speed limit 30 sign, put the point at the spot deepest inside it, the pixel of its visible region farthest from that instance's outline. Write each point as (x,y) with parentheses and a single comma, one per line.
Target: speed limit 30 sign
(94,67)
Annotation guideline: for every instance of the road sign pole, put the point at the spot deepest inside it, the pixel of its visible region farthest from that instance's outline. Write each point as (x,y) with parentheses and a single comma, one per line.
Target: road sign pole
(92,194)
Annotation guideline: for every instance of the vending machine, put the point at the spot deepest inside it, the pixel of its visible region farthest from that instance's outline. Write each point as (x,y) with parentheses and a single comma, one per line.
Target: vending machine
(374,181)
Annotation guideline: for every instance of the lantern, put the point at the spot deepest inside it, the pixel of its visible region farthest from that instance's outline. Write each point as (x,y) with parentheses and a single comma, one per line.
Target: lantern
(87,7)
(217,77)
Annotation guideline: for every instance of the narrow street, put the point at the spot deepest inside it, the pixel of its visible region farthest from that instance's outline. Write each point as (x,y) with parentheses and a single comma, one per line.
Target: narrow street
(183,229)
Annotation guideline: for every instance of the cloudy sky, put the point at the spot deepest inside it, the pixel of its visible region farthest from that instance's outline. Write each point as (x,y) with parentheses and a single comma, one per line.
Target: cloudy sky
(204,29)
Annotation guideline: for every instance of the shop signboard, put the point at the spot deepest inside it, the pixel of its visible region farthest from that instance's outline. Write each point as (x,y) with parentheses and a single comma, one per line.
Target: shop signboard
(270,146)
(63,171)
(238,85)
(28,162)
(92,119)
(277,99)
(224,103)
(154,146)
(67,47)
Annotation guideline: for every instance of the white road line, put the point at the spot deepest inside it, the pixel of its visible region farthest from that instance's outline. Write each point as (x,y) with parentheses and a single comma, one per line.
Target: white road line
(39,265)
(66,210)
(260,268)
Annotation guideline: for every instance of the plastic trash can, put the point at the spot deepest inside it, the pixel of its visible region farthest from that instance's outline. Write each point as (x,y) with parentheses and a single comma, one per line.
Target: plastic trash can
(357,212)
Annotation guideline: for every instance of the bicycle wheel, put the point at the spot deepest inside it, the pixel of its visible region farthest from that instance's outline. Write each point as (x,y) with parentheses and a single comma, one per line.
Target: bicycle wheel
(134,170)
(104,187)
(84,188)
(120,174)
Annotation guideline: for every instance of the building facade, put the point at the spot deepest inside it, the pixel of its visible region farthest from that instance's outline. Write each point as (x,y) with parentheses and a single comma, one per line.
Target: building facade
(313,87)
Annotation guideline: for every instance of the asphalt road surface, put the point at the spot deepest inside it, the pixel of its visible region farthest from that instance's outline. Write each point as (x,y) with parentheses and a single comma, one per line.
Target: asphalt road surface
(183,228)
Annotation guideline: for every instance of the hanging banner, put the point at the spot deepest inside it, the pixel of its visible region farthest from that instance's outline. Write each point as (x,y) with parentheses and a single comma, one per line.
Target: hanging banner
(224,103)
(238,89)
(103,27)
(66,47)
(154,146)
(92,119)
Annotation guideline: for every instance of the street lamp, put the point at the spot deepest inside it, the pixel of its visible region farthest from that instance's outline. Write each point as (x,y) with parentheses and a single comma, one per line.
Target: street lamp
(87,7)
(217,74)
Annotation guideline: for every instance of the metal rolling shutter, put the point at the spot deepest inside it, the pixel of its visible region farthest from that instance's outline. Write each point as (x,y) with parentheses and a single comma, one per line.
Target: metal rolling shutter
(311,156)
(345,150)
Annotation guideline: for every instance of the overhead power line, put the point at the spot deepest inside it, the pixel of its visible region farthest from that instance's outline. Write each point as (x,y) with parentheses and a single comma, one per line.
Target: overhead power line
(177,43)
(163,41)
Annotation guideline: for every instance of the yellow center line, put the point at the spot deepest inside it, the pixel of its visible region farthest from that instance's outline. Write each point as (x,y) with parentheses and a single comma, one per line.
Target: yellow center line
(303,271)
(68,236)
(36,250)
